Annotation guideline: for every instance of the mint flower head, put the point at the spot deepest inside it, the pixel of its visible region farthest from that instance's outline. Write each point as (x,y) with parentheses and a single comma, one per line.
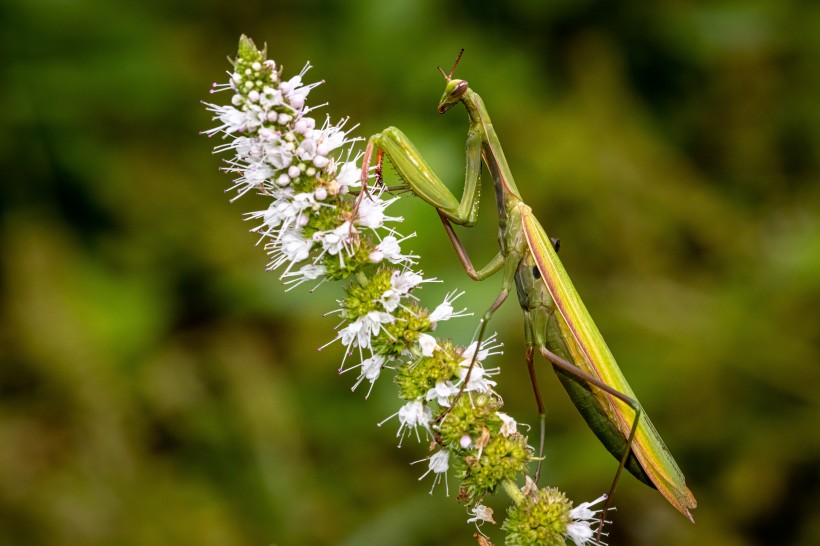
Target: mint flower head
(306,168)
(546,517)
(320,225)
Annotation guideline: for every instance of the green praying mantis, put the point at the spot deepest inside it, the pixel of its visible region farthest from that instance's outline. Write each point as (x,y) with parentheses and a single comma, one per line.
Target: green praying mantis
(556,322)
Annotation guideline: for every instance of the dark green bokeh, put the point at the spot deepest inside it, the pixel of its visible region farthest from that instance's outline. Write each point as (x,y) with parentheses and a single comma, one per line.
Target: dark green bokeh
(159,388)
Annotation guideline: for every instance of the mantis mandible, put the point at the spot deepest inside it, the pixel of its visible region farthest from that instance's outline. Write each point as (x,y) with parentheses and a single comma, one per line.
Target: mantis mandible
(556,322)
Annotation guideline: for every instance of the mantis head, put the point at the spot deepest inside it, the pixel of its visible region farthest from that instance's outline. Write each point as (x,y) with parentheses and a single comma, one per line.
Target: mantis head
(453,94)
(455,89)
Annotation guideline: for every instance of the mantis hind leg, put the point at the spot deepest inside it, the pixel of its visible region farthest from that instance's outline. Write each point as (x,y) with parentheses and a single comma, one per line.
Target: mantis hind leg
(577,372)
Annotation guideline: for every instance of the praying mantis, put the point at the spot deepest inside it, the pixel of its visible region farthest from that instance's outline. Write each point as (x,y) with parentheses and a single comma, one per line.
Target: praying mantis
(556,322)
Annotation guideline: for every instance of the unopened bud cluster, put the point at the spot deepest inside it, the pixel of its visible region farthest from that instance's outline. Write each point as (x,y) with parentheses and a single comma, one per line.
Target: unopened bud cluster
(321,224)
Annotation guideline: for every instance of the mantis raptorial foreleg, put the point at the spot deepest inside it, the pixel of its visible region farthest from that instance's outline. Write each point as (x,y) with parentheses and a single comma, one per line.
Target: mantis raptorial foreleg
(421,179)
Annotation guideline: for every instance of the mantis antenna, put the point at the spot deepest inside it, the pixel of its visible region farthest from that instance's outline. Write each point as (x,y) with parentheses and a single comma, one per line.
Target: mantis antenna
(449,76)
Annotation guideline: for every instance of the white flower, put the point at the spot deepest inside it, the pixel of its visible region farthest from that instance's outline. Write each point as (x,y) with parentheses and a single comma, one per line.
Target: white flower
(336,240)
(442,393)
(405,281)
(233,120)
(478,379)
(351,335)
(438,463)
(428,344)
(371,212)
(481,513)
(390,300)
(412,415)
(293,84)
(330,138)
(371,369)
(276,213)
(509,426)
(359,332)
(389,250)
(488,347)
(374,319)
(295,91)
(479,376)
(401,283)
(291,248)
(307,149)
(584,522)
(256,173)
(303,201)
(245,148)
(445,310)
(350,175)
(277,153)
(270,97)
(308,272)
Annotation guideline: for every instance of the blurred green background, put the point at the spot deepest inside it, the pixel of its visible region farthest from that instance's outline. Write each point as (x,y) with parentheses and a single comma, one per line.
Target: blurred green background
(158,387)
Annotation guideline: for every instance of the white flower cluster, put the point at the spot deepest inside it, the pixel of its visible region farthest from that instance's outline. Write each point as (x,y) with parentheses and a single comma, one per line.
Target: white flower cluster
(281,153)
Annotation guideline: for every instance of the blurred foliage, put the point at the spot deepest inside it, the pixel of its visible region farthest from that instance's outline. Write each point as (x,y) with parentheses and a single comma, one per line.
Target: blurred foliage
(159,388)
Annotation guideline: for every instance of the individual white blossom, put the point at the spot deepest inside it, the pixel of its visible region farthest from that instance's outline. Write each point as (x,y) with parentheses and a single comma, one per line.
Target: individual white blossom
(438,463)
(442,393)
(335,241)
(509,426)
(390,249)
(413,415)
(404,281)
(584,523)
(445,310)
(359,332)
(349,176)
(481,514)
(488,347)
(471,365)
(306,273)
(291,249)
(428,344)
(478,381)
(371,211)
(371,369)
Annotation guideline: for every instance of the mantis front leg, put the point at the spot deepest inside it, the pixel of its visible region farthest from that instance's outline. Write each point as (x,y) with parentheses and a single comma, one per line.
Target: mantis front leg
(421,179)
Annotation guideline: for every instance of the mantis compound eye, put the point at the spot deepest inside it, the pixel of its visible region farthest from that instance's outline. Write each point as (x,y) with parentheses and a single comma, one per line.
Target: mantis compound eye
(460,89)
